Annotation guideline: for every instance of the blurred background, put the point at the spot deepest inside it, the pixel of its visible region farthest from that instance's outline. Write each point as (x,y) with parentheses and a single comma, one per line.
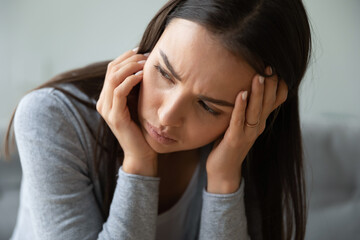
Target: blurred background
(41,38)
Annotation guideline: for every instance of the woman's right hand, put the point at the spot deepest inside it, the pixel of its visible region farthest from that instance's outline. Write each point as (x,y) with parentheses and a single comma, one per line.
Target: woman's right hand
(122,75)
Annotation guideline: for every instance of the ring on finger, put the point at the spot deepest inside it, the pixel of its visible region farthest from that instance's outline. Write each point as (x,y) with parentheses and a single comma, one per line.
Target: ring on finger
(252,125)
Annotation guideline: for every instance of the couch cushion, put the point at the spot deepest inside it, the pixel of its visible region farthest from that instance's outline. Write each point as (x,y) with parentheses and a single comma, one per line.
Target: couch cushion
(332,159)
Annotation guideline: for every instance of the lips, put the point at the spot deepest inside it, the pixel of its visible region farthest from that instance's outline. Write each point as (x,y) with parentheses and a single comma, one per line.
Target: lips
(159,136)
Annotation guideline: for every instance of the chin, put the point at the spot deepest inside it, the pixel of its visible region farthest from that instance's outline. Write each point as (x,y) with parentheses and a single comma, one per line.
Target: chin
(156,146)
(159,148)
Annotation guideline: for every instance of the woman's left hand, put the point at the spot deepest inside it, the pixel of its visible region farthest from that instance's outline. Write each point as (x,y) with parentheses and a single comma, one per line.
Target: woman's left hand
(224,162)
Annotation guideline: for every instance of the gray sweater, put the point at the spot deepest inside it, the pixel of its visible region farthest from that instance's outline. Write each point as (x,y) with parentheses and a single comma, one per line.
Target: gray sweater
(60,191)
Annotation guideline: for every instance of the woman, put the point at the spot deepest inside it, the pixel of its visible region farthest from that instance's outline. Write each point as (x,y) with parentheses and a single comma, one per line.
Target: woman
(194,135)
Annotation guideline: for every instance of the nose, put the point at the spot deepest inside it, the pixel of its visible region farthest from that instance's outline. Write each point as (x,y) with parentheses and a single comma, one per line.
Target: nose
(172,110)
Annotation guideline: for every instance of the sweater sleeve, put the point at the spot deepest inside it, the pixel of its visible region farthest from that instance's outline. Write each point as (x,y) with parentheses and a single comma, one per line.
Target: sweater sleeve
(134,214)
(58,190)
(223,216)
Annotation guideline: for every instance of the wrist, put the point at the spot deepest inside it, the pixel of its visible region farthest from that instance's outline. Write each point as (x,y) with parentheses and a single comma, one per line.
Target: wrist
(140,166)
(223,186)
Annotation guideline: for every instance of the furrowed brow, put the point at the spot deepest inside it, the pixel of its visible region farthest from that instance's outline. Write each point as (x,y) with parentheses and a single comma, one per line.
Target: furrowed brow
(203,98)
(169,66)
(216,101)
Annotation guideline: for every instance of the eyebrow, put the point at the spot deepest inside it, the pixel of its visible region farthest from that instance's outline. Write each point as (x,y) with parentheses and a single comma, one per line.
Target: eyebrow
(202,97)
(169,66)
(216,101)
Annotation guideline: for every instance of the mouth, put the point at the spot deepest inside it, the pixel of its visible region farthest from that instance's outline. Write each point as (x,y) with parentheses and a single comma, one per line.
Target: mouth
(157,135)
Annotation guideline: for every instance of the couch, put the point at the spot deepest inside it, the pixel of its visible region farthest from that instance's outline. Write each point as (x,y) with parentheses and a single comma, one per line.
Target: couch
(332,158)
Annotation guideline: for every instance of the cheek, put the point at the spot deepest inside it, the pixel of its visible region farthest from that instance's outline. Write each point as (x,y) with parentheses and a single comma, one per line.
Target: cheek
(148,82)
(205,133)
(148,96)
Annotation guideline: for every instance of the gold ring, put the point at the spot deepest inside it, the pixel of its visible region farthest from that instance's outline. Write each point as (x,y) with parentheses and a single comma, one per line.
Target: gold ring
(252,125)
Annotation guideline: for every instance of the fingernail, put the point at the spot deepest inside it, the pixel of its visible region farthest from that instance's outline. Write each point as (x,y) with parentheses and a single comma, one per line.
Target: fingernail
(261,79)
(146,54)
(269,70)
(136,49)
(244,95)
(139,72)
(142,61)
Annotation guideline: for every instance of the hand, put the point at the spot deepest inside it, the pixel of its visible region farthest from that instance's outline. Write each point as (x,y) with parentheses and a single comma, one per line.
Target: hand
(223,165)
(122,75)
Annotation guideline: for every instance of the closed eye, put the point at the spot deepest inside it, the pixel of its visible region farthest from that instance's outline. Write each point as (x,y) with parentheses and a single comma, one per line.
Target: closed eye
(163,73)
(208,109)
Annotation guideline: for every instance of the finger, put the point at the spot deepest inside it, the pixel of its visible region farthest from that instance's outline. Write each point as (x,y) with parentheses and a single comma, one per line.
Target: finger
(122,91)
(236,126)
(124,56)
(133,58)
(254,109)
(129,69)
(110,70)
(115,79)
(281,94)
(271,85)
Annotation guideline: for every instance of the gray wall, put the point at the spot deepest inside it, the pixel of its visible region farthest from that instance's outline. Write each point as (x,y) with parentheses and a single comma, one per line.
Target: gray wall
(40,38)
(332,83)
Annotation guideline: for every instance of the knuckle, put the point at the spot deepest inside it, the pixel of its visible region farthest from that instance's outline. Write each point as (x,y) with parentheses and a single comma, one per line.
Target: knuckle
(131,77)
(238,122)
(116,67)
(262,128)
(131,52)
(110,119)
(99,106)
(284,96)
(118,92)
(116,79)
(110,64)
(113,78)
(134,66)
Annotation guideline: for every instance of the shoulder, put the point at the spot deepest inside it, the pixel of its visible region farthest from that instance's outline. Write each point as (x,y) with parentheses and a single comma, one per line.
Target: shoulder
(51,107)
(56,149)
(50,116)
(35,101)
(51,100)
(39,108)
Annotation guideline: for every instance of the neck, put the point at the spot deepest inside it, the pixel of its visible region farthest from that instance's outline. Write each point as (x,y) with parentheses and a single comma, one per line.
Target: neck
(181,158)
(177,155)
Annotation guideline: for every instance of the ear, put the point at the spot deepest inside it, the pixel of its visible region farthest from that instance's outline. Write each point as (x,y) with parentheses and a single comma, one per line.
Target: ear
(281,94)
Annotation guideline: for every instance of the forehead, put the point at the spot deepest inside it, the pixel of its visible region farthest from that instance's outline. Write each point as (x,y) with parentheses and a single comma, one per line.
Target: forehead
(200,59)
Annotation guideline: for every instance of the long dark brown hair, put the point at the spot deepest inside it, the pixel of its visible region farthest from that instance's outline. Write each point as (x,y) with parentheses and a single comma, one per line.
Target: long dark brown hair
(272,33)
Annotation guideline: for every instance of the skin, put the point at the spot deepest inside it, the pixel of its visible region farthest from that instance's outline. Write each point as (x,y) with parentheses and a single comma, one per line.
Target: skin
(176,108)
(173,105)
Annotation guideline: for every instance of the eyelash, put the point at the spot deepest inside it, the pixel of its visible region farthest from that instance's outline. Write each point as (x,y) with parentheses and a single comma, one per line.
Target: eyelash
(163,73)
(167,77)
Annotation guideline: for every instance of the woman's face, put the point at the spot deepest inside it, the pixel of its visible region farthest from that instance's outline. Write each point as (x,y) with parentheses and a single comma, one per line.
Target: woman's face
(189,88)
